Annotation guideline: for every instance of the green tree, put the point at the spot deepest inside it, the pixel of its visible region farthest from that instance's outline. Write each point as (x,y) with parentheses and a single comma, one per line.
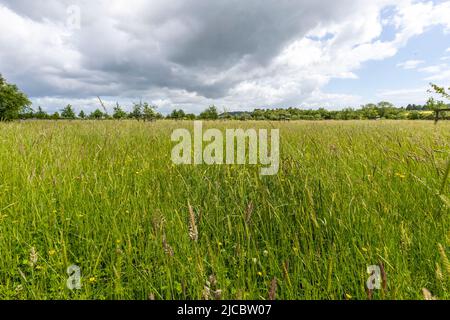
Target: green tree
(12,101)
(149,112)
(177,115)
(370,111)
(210,114)
(97,115)
(437,105)
(27,113)
(137,111)
(68,112)
(82,115)
(41,114)
(55,116)
(119,113)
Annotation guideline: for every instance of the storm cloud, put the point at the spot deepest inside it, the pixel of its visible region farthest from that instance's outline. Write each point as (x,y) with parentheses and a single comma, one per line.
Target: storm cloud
(192,53)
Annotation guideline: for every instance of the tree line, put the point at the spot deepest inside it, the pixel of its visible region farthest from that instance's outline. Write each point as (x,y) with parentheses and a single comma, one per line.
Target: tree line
(14,104)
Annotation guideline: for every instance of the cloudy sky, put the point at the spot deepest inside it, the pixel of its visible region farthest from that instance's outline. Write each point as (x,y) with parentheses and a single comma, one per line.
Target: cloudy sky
(235,54)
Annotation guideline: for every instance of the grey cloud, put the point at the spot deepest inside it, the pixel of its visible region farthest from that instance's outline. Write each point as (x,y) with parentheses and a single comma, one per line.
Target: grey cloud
(196,50)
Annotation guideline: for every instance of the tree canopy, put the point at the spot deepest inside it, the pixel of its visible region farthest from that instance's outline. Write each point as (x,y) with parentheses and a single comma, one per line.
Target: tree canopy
(12,101)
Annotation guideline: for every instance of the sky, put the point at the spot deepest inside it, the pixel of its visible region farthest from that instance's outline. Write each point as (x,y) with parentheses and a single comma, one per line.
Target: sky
(237,55)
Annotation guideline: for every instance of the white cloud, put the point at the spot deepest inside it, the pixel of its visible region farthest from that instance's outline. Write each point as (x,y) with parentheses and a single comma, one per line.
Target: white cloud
(437,73)
(402,97)
(410,64)
(192,53)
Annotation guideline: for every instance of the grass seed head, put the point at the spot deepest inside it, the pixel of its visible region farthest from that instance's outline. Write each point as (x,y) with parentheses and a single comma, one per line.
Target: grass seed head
(33,257)
(193,231)
(273,289)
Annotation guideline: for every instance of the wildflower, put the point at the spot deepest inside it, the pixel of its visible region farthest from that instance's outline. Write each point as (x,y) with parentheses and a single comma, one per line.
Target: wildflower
(92,280)
(52,252)
(265,253)
(260,273)
(348,296)
(401,176)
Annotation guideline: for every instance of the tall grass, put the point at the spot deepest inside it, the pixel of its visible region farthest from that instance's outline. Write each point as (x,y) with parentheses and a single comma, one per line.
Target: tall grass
(105,196)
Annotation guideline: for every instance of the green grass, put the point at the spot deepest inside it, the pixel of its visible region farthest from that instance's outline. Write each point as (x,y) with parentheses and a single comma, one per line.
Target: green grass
(105,195)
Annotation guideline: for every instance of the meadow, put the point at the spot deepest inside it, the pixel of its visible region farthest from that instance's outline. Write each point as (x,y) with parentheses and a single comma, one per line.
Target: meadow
(105,196)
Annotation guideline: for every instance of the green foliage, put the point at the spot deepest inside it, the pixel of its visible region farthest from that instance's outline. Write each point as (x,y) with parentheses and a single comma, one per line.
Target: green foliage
(149,112)
(12,101)
(97,115)
(68,113)
(437,105)
(41,114)
(177,115)
(55,116)
(137,112)
(82,115)
(210,114)
(119,113)
(190,116)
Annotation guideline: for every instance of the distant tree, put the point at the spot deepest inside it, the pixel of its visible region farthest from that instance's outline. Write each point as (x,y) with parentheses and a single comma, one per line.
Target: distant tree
(12,101)
(439,107)
(370,111)
(149,112)
(55,116)
(97,115)
(41,114)
(347,114)
(177,115)
(119,113)
(68,112)
(210,114)
(82,115)
(433,104)
(414,115)
(137,111)
(27,113)
(259,114)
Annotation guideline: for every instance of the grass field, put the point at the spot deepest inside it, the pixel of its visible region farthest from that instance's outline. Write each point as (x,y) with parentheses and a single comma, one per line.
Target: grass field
(106,197)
